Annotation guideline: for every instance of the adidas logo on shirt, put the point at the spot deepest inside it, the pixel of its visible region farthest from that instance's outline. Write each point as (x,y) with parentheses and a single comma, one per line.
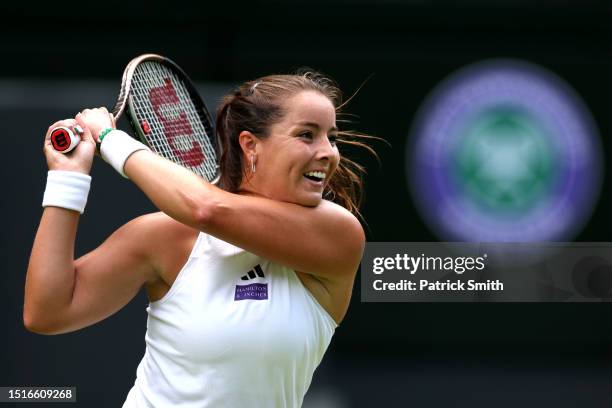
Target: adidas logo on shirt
(253,273)
(253,291)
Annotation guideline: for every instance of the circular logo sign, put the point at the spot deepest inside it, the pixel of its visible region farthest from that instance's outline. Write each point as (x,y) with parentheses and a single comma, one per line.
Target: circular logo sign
(504,151)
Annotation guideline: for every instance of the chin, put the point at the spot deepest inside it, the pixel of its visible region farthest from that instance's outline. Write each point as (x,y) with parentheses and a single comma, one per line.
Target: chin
(307,200)
(312,200)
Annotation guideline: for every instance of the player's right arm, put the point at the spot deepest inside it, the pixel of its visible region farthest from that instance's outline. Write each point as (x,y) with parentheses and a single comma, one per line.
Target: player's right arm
(63,294)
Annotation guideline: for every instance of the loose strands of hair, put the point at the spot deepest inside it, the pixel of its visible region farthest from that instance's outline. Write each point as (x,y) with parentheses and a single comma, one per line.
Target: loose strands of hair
(346,185)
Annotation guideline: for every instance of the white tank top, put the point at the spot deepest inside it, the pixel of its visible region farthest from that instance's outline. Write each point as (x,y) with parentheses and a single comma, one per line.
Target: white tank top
(234,330)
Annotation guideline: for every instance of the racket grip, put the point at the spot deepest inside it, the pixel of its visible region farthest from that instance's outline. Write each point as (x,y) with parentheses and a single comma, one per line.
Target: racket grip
(64,139)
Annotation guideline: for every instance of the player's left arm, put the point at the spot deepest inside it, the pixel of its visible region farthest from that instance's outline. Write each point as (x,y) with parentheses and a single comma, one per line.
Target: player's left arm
(326,240)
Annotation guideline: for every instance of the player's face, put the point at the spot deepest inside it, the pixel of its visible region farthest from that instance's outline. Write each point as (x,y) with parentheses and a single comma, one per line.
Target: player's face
(299,156)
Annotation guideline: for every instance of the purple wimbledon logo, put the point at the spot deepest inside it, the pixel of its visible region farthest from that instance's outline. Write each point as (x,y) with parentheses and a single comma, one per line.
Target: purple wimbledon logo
(255,291)
(504,151)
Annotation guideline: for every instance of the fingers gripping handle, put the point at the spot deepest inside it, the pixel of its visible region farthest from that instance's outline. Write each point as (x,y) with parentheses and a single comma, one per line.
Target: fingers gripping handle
(65,139)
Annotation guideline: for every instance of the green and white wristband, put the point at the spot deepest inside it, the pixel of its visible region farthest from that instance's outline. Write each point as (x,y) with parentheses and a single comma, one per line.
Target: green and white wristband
(117,146)
(67,189)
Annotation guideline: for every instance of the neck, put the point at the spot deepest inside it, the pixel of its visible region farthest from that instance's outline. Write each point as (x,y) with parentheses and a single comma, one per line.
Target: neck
(249,190)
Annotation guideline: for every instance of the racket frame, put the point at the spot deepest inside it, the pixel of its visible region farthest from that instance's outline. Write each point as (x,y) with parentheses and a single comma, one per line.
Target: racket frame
(124,103)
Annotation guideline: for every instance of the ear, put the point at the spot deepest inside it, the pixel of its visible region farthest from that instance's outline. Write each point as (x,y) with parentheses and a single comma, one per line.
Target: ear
(248,142)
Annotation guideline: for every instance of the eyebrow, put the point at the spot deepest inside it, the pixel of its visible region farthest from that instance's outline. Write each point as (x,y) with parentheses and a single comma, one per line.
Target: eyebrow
(316,126)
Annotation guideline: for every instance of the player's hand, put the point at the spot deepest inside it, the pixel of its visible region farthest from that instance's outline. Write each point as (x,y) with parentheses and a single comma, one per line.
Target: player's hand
(96,120)
(79,159)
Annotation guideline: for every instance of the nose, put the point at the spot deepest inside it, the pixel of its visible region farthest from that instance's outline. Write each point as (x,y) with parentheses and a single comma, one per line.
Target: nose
(325,149)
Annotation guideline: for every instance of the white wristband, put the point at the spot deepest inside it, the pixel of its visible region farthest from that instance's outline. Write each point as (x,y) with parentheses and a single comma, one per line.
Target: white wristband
(117,146)
(67,189)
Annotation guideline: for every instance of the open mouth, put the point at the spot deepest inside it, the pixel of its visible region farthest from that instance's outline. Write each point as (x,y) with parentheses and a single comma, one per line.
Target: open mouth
(316,176)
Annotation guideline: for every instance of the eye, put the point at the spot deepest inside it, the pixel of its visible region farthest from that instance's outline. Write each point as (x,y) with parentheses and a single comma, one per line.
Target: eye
(333,139)
(307,134)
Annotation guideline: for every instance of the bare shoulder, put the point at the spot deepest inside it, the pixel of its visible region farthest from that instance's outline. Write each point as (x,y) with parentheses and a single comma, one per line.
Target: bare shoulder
(333,291)
(337,210)
(151,229)
(347,232)
(159,238)
(159,226)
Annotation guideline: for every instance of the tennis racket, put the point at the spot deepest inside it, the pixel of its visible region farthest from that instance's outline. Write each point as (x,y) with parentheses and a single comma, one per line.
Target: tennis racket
(166,113)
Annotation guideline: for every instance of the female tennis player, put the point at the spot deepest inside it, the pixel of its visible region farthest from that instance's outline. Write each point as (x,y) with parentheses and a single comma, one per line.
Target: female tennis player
(247,279)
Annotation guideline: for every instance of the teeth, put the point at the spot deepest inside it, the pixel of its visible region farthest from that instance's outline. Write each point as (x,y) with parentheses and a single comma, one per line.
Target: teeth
(317,174)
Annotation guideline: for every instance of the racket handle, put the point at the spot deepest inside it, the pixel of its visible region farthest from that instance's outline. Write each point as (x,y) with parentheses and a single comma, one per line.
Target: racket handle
(64,139)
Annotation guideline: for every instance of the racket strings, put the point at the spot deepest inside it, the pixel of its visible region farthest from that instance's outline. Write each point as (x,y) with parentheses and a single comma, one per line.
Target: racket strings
(179,131)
